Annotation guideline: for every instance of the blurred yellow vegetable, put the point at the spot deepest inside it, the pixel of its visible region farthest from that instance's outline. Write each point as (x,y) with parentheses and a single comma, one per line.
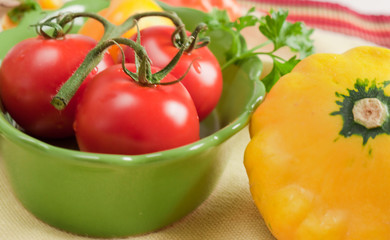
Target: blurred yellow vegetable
(118,12)
(50,4)
(7,23)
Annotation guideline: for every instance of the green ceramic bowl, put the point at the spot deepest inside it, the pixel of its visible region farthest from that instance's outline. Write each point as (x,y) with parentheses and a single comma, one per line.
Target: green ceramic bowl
(106,195)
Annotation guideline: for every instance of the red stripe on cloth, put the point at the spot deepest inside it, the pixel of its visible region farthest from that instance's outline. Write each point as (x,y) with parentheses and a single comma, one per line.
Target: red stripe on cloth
(339,23)
(326,5)
(333,17)
(375,36)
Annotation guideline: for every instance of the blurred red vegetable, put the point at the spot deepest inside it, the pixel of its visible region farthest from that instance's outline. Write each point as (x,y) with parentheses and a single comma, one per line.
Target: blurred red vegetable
(231,6)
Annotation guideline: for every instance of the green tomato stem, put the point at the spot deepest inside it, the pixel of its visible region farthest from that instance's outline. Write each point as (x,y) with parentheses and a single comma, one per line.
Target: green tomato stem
(111,31)
(92,59)
(171,15)
(197,43)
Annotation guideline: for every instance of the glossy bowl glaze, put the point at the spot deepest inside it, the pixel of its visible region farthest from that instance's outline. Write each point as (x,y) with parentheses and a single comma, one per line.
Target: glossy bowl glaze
(106,195)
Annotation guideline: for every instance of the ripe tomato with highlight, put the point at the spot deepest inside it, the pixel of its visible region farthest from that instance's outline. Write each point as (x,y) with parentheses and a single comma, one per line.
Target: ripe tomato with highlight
(118,115)
(31,74)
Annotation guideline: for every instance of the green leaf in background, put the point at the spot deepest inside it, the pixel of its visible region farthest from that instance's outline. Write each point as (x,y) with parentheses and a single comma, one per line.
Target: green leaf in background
(245,21)
(16,14)
(24,30)
(300,41)
(191,17)
(218,20)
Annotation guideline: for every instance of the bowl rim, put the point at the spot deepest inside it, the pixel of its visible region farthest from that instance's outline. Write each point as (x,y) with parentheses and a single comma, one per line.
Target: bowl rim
(221,135)
(9,131)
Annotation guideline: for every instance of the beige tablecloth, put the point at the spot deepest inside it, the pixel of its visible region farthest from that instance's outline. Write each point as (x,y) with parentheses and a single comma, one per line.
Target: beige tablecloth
(229,213)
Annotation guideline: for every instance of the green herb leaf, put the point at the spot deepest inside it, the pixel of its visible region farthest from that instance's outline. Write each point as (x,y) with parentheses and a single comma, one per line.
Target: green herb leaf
(283,33)
(276,28)
(271,78)
(273,27)
(218,19)
(245,21)
(279,69)
(299,40)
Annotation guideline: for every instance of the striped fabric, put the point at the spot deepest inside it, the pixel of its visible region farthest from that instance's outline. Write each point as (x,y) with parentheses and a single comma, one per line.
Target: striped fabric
(331,17)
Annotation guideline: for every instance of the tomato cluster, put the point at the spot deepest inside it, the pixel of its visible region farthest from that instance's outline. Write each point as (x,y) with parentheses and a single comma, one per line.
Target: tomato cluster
(112,111)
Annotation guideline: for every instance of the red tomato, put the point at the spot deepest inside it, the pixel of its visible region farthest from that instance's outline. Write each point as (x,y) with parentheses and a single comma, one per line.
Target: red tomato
(119,116)
(204,79)
(31,74)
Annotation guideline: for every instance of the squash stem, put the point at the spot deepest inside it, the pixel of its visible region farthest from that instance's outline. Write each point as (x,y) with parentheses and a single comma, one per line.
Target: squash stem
(370,112)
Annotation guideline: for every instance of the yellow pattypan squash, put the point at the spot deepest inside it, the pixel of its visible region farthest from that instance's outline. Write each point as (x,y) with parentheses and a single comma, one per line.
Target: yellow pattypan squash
(319,157)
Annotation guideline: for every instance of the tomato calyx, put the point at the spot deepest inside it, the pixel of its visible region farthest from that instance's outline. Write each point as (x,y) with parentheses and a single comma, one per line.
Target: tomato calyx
(142,61)
(53,24)
(58,26)
(198,42)
(111,30)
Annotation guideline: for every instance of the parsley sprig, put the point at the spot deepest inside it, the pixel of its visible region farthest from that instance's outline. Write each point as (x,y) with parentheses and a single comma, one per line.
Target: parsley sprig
(279,32)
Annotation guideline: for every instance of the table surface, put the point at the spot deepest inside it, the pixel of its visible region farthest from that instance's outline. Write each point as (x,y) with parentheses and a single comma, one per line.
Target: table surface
(229,213)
